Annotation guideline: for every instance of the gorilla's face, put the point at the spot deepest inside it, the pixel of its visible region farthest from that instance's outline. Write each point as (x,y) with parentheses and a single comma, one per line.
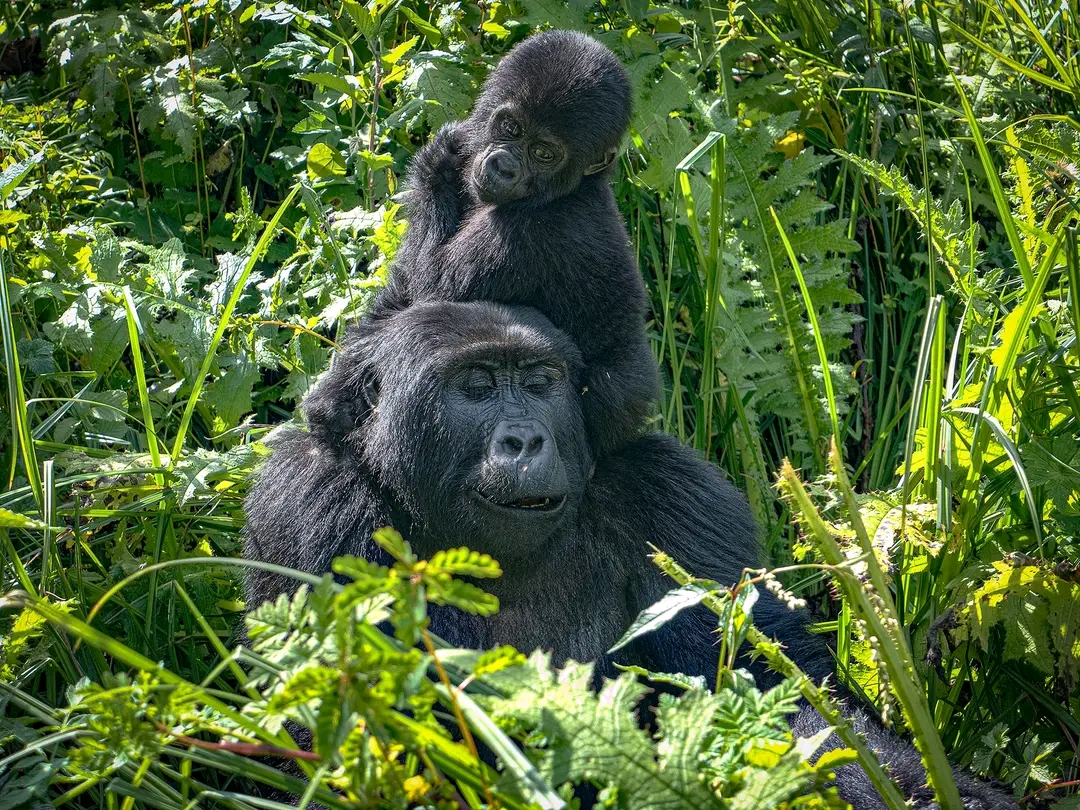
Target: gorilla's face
(518,158)
(511,406)
(473,421)
(520,153)
(553,111)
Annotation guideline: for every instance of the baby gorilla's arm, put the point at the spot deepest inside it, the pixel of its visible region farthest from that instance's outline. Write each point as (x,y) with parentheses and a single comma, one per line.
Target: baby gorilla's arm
(436,187)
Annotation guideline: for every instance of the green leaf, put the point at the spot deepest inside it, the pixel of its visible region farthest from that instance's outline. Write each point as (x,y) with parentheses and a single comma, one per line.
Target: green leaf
(13,520)
(168,271)
(324,162)
(230,394)
(181,119)
(346,85)
(434,36)
(37,355)
(441,86)
(663,611)
(13,174)
(393,544)
(464,562)
(464,596)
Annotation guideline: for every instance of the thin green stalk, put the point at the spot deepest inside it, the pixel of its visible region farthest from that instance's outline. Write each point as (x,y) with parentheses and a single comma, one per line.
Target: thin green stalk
(811,314)
(933,310)
(196,389)
(820,699)
(781,297)
(1001,201)
(134,329)
(1072,263)
(879,615)
(20,420)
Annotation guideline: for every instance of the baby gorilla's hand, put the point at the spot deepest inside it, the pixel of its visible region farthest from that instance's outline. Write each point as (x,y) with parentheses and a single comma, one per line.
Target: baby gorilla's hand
(440,162)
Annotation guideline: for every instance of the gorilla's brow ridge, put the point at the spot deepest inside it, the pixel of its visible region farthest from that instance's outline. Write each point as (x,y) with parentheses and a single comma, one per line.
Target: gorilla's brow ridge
(506,349)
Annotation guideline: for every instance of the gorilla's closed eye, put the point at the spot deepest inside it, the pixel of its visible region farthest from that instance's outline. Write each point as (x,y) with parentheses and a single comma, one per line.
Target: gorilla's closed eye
(478,382)
(539,380)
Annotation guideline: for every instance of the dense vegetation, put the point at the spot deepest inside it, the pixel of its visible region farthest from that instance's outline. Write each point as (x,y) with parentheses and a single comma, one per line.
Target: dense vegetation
(855,220)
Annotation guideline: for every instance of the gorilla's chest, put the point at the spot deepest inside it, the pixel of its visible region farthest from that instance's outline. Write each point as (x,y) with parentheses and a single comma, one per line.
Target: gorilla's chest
(567,624)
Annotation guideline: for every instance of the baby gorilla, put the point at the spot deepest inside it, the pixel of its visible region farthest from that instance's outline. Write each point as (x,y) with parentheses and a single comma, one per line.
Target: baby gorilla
(513,205)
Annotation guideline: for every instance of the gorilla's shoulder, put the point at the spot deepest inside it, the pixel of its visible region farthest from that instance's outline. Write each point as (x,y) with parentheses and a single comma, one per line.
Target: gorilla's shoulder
(660,491)
(675,476)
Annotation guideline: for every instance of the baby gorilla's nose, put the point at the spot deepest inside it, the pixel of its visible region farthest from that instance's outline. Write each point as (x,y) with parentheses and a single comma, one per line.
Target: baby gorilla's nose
(503,167)
(520,442)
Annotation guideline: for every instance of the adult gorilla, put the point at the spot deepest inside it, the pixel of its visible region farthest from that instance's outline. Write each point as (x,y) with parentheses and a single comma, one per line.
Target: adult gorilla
(461,423)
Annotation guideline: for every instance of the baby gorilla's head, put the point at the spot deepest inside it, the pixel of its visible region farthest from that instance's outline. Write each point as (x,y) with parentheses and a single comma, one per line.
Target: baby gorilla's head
(555,110)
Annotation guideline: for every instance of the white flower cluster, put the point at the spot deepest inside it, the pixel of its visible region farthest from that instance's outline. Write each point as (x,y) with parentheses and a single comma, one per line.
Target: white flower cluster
(887,707)
(777,589)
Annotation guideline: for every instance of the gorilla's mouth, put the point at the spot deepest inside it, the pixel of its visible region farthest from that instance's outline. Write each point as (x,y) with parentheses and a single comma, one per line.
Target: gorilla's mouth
(543,504)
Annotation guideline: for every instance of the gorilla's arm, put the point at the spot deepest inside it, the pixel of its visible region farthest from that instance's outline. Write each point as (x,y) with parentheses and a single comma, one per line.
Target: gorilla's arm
(434,206)
(620,388)
(308,505)
(665,495)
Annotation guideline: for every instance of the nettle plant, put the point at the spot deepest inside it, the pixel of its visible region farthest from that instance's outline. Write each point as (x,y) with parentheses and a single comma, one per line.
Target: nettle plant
(399,721)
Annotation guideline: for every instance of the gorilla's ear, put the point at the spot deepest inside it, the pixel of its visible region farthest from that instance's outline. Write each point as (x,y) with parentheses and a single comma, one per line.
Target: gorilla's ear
(342,399)
(610,156)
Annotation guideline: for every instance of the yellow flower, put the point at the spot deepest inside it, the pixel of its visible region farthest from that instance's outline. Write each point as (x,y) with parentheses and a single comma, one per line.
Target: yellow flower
(791,144)
(416,788)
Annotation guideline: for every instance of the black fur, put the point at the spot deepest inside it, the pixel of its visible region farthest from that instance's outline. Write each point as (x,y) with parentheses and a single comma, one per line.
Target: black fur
(404,431)
(489,221)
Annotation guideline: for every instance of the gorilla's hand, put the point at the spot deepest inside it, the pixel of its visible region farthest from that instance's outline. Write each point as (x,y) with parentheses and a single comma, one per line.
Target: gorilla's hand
(435,204)
(437,167)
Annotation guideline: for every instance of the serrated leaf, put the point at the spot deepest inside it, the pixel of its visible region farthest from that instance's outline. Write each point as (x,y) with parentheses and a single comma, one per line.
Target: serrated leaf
(464,596)
(441,85)
(13,174)
(230,394)
(181,119)
(346,85)
(464,562)
(109,340)
(13,520)
(167,269)
(37,355)
(393,544)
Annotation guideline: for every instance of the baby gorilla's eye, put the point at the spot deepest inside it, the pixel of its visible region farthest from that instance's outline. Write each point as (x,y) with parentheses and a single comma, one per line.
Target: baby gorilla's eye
(544,154)
(510,128)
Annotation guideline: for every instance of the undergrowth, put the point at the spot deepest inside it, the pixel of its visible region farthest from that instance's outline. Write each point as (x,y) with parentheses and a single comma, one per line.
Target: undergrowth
(855,221)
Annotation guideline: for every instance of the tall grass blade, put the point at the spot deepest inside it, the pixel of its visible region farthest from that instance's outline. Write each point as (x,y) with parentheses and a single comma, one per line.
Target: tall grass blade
(811,314)
(993,179)
(134,329)
(1013,453)
(269,232)
(933,311)
(882,623)
(20,419)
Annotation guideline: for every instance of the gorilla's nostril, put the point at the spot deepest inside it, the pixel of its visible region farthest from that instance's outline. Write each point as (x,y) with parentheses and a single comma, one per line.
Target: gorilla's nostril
(535,445)
(513,444)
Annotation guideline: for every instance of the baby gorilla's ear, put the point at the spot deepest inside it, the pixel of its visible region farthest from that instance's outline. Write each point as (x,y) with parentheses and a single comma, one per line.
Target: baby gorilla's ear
(342,398)
(610,156)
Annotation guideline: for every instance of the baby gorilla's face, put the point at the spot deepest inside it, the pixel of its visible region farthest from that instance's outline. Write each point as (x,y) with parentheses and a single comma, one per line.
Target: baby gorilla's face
(519,159)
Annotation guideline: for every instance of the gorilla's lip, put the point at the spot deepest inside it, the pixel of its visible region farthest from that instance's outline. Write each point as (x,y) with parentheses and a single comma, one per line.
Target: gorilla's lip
(536,504)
